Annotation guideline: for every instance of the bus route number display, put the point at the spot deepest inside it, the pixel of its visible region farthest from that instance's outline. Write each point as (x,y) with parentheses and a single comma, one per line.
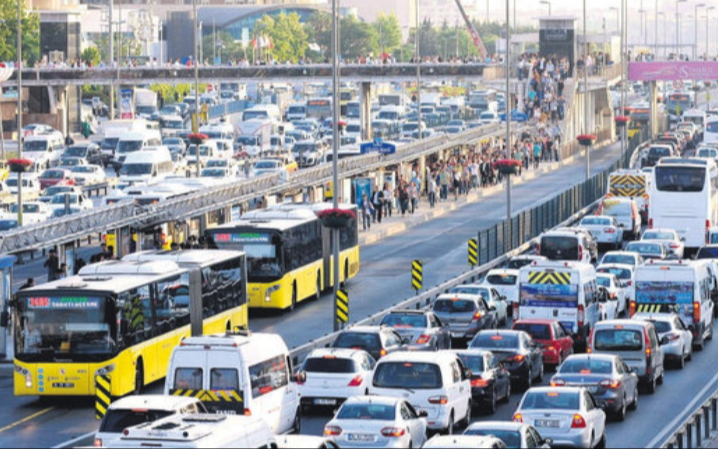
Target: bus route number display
(243,238)
(62,303)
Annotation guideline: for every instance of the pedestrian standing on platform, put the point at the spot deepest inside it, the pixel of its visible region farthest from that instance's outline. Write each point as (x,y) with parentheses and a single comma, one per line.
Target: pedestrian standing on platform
(378,203)
(367,212)
(53,265)
(432,191)
(388,200)
(413,197)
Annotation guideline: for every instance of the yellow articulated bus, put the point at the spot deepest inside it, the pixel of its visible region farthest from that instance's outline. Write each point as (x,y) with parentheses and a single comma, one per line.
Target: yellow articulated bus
(122,319)
(289,253)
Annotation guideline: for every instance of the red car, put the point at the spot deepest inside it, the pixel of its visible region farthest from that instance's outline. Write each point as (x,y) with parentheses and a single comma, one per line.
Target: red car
(55,176)
(556,343)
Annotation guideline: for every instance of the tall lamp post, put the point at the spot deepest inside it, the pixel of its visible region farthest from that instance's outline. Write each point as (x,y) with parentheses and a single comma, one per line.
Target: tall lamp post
(195,124)
(695,30)
(624,67)
(19,110)
(5,74)
(618,19)
(508,106)
(665,31)
(336,46)
(708,9)
(417,59)
(585,90)
(678,29)
(546,2)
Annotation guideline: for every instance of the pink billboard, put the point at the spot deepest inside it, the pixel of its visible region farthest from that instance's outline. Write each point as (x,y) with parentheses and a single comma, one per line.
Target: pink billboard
(673,71)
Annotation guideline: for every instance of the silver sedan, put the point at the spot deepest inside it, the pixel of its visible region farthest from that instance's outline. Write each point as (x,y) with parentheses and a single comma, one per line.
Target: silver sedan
(420,330)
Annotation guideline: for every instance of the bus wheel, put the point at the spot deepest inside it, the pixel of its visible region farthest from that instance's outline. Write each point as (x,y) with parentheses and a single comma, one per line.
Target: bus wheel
(294,299)
(139,377)
(319,287)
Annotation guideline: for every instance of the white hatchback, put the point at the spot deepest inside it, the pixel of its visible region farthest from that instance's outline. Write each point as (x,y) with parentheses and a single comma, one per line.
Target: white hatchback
(433,382)
(372,421)
(329,376)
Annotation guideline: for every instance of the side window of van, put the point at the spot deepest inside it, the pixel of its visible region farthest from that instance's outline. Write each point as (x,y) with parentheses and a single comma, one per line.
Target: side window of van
(188,378)
(268,376)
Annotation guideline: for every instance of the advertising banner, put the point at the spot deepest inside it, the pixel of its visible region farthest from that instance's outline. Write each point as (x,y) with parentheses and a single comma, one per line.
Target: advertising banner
(673,71)
(127,104)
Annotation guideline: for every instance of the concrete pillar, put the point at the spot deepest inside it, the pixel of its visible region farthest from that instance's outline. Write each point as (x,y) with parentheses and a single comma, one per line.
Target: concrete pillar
(365,112)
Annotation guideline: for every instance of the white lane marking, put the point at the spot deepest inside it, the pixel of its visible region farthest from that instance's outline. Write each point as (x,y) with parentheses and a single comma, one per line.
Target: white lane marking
(72,442)
(673,425)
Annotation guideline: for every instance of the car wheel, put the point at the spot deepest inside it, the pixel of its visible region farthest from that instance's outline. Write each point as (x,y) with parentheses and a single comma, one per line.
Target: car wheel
(539,379)
(139,378)
(297,426)
(294,300)
(602,442)
(634,404)
(682,360)
(698,345)
(621,413)
(659,381)
(491,409)
(710,332)
(651,386)
(528,380)
(689,356)
(318,295)
(507,397)
(466,422)
(450,426)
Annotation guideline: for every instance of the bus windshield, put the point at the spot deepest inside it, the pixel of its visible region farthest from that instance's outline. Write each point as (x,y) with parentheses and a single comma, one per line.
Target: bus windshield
(58,326)
(263,259)
(680,179)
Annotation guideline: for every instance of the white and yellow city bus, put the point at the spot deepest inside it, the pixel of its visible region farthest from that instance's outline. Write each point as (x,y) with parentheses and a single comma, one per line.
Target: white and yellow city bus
(121,319)
(289,253)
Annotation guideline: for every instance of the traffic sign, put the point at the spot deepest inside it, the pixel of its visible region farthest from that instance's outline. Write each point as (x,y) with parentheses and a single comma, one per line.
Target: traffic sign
(342,306)
(378,146)
(473,252)
(417,275)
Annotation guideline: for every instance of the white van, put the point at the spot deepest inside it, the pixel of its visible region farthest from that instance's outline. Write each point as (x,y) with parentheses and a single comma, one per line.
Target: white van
(264,112)
(199,431)
(241,373)
(207,151)
(132,142)
(148,166)
(45,150)
(564,244)
(433,382)
(563,291)
(218,131)
(683,287)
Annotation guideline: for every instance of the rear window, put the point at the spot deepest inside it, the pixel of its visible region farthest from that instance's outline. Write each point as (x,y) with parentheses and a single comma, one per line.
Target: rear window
(537,331)
(661,326)
(551,400)
(586,366)
(358,340)
(603,281)
(495,341)
(380,412)
(329,365)
(619,259)
(188,379)
(617,209)
(595,221)
(475,363)
(618,340)
(483,291)
(408,375)
(509,437)
(644,248)
(708,253)
(560,248)
(659,152)
(518,264)
(224,379)
(680,179)
(116,421)
(454,306)
(658,236)
(501,279)
(407,321)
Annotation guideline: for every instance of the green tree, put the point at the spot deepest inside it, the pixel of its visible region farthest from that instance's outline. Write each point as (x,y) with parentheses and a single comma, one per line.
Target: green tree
(91,55)
(123,46)
(319,30)
(389,32)
(8,33)
(358,38)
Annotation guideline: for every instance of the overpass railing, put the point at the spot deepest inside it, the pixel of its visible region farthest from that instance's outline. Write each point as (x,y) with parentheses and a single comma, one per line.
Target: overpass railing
(697,428)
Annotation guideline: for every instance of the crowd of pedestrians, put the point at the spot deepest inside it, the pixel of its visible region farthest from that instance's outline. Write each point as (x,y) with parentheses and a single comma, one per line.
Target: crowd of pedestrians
(544,102)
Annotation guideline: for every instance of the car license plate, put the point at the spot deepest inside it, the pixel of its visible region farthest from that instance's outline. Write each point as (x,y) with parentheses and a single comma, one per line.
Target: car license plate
(325,402)
(546,423)
(362,437)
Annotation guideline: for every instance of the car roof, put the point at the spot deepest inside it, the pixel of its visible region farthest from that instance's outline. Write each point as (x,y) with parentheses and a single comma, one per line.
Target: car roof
(616,265)
(461,296)
(342,353)
(623,253)
(504,271)
(620,322)
(498,425)
(153,401)
(462,440)
(536,321)
(550,389)
(654,316)
(419,357)
(660,230)
(365,329)
(385,400)
(594,355)
(421,312)
(474,352)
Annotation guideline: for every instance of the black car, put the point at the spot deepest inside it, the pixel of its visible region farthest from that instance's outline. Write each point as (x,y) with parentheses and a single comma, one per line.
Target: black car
(378,341)
(490,380)
(91,152)
(516,350)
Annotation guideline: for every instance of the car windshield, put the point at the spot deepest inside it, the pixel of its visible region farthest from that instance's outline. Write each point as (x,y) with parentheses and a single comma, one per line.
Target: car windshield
(398,320)
(70,162)
(495,341)
(470,290)
(542,400)
(214,173)
(7,224)
(535,330)
(403,375)
(172,141)
(603,281)
(203,150)
(26,208)
(116,421)
(379,412)
(358,340)
(620,273)
(644,248)
(53,174)
(473,362)
(76,152)
(658,236)
(560,248)
(329,364)
(707,253)
(266,164)
(617,208)
(680,179)
(83,169)
(511,439)
(501,279)
(217,163)
(54,190)
(129,146)
(517,264)
(595,221)
(454,306)
(618,340)
(34,145)
(619,259)
(586,365)
(61,198)
(173,124)
(136,169)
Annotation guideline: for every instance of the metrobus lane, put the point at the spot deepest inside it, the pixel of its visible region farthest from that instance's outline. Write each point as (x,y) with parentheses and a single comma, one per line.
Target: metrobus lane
(385,275)
(383,281)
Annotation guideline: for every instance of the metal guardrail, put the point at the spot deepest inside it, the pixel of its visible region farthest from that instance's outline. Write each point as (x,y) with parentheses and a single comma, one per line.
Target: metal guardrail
(697,428)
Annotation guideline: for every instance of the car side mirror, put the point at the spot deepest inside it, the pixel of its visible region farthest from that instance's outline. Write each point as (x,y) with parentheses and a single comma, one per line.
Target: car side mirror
(406,340)
(502,298)
(423,414)
(683,239)
(634,370)
(4,319)
(664,341)
(300,377)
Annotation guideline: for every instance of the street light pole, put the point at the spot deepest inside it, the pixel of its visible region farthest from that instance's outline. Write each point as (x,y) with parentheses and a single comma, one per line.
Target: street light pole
(508,108)
(585,91)
(708,9)
(417,59)
(695,30)
(618,20)
(335,147)
(19,110)
(546,2)
(678,30)
(112,60)
(195,124)
(655,33)
(624,64)
(2,130)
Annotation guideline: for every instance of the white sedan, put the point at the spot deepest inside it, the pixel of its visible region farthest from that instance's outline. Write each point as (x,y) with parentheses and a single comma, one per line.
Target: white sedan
(675,338)
(670,240)
(569,416)
(75,200)
(616,303)
(376,421)
(88,174)
(512,433)
(32,211)
(604,229)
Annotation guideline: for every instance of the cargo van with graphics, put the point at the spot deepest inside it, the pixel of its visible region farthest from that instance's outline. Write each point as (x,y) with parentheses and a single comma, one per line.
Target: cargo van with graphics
(683,287)
(631,184)
(563,291)
(240,373)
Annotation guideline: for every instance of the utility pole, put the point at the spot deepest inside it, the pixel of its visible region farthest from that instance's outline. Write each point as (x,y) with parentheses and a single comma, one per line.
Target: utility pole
(508,106)
(417,59)
(112,59)
(585,92)
(336,98)
(19,110)
(195,125)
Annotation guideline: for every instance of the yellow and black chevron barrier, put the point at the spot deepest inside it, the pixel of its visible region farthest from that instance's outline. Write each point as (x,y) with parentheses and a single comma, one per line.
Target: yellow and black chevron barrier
(550,278)
(209,395)
(654,308)
(417,275)
(628,185)
(103,397)
(473,252)
(342,306)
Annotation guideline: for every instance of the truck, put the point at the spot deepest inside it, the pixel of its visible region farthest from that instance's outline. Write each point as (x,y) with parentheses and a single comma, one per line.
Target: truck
(297,111)
(145,103)
(254,137)
(393,100)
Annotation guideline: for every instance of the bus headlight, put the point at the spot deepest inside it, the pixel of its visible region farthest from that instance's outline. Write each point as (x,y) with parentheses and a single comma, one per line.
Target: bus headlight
(105,370)
(269,291)
(28,380)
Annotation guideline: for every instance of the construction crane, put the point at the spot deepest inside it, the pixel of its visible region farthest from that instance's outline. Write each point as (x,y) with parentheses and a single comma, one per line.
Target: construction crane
(474,34)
